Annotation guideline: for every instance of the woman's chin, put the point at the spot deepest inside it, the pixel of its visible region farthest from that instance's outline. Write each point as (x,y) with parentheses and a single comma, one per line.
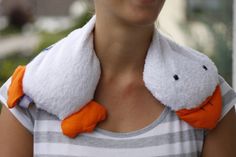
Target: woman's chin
(142,20)
(140,16)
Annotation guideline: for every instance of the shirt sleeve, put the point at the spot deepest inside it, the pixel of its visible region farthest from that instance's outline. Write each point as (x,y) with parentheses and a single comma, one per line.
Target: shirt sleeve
(228,97)
(24,116)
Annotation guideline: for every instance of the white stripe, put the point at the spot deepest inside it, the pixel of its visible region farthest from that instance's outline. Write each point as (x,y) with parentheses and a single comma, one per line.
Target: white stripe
(2,99)
(74,150)
(224,88)
(161,129)
(47,126)
(3,91)
(3,94)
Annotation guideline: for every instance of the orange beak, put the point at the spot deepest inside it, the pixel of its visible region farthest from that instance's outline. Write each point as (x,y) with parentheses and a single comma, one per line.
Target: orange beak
(207,114)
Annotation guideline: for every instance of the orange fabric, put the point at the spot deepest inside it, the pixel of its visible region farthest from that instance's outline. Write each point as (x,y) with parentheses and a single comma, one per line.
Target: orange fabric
(207,114)
(15,90)
(84,120)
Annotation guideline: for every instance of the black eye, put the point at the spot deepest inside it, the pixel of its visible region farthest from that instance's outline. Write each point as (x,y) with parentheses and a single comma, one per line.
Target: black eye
(204,67)
(176,77)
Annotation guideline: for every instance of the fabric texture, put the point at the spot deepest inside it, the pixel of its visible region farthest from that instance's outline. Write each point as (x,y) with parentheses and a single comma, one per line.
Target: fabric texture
(167,136)
(178,77)
(16,91)
(205,115)
(69,66)
(85,121)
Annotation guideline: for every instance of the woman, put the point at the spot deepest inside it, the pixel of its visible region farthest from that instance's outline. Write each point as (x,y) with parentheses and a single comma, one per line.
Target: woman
(122,36)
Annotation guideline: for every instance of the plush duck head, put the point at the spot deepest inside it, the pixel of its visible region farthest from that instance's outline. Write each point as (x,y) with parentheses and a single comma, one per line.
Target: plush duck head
(62,81)
(184,80)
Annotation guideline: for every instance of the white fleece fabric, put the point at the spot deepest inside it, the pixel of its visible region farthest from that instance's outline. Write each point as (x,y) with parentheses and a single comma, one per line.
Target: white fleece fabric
(197,75)
(63,79)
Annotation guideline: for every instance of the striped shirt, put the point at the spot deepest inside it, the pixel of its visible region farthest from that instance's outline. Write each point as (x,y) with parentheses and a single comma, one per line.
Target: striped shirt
(167,136)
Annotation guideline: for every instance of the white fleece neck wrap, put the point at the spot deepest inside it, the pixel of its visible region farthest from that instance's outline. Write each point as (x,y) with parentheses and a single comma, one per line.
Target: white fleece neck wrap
(62,79)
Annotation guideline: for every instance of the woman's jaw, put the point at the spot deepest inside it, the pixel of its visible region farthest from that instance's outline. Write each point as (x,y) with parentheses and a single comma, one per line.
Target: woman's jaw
(139,13)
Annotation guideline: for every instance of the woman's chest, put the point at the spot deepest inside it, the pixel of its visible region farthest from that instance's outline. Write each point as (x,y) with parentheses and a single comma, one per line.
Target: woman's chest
(129,108)
(166,136)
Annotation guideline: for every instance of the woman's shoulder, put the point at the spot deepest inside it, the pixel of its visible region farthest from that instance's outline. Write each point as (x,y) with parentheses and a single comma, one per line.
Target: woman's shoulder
(24,116)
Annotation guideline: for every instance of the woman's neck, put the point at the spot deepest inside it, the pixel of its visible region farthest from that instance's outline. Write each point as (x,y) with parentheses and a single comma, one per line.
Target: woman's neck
(121,48)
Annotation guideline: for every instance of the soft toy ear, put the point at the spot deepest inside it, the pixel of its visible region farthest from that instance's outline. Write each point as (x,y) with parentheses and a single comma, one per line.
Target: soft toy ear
(207,115)
(15,90)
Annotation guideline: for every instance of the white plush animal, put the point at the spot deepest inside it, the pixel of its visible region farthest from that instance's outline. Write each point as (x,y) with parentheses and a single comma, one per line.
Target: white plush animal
(62,80)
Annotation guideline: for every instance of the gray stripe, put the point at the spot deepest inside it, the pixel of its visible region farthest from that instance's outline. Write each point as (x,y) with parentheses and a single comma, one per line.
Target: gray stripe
(45,155)
(171,117)
(28,114)
(229,97)
(192,154)
(83,140)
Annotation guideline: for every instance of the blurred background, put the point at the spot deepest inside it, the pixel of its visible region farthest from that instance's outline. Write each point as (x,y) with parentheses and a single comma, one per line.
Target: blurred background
(29,26)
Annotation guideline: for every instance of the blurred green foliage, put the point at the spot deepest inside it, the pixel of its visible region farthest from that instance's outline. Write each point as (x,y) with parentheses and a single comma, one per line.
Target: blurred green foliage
(9,30)
(48,39)
(9,63)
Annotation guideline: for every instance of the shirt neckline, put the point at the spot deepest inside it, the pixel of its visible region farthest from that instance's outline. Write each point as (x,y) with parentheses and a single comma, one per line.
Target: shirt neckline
(136,132)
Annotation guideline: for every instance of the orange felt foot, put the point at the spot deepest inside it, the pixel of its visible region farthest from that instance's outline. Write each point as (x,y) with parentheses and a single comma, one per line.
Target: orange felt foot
(207,115)
(15,90)
(84,120)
